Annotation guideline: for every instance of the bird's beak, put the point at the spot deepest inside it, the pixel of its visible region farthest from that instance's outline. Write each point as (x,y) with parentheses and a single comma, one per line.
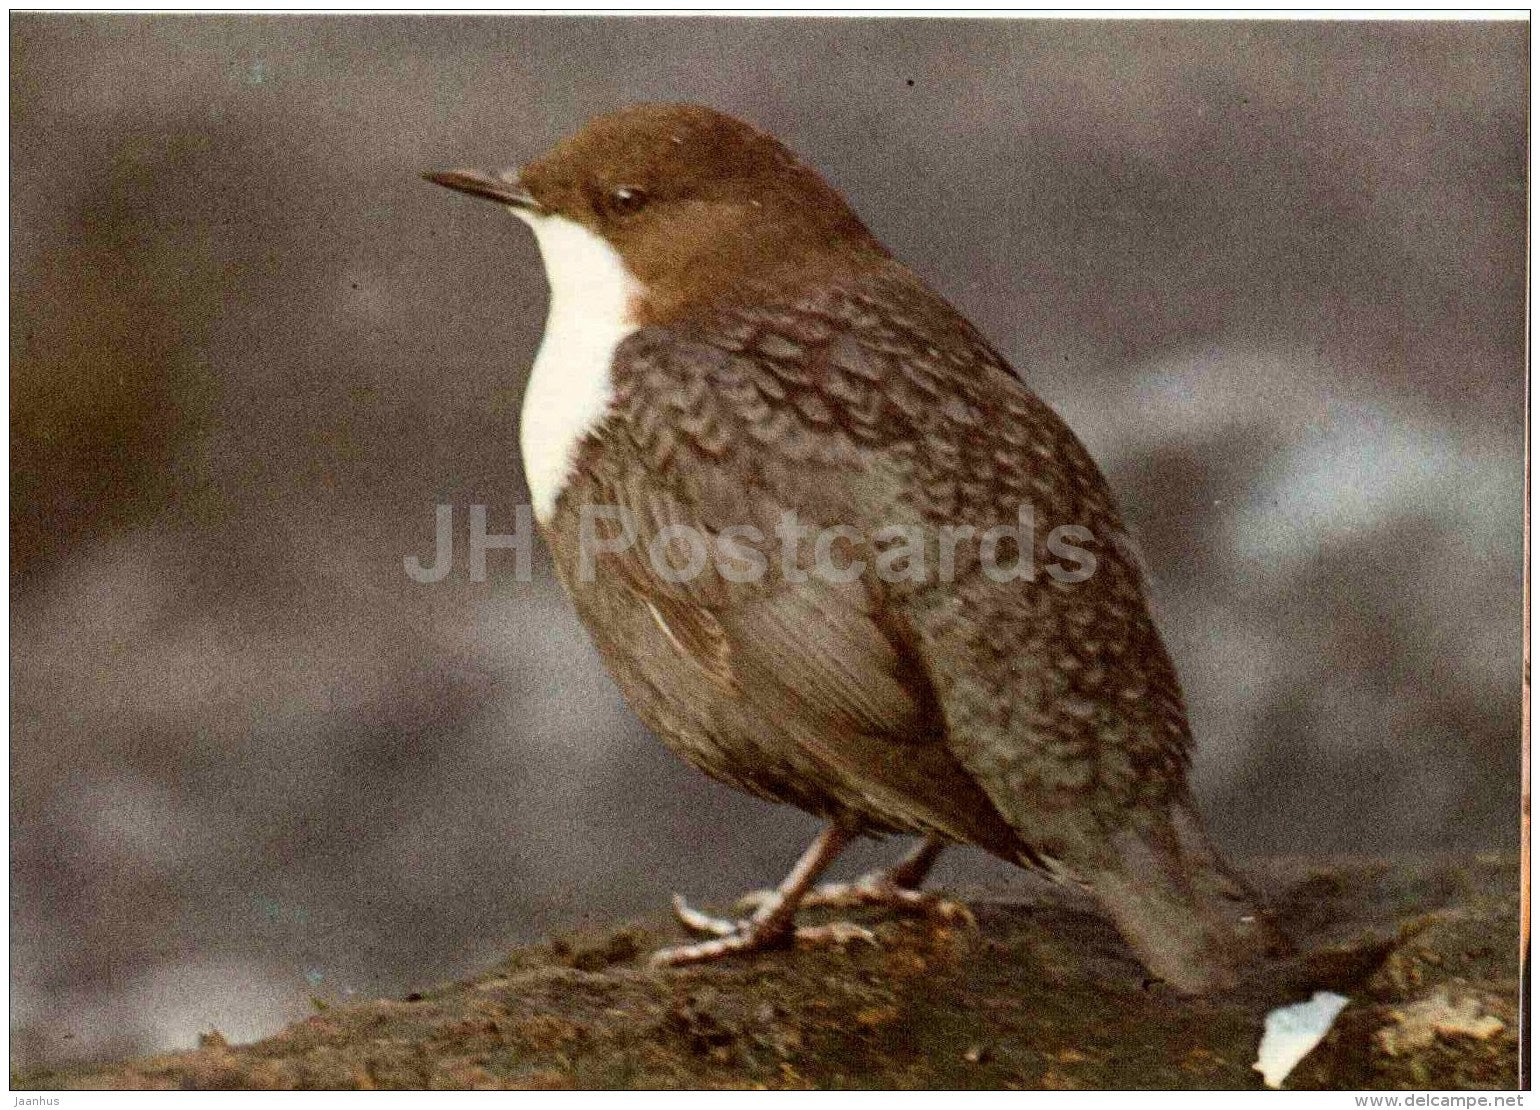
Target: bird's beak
(479,184)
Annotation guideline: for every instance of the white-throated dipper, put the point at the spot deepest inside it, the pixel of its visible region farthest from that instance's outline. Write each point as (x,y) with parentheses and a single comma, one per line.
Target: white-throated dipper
(729,349)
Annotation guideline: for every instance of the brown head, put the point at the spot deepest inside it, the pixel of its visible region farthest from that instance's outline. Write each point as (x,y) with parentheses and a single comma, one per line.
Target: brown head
(692,200)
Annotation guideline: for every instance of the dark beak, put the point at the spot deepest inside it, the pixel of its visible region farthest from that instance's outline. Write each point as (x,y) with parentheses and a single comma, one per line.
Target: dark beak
(479,184)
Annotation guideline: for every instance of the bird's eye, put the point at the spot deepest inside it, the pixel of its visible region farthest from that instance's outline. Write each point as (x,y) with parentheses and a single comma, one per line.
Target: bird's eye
(626,199)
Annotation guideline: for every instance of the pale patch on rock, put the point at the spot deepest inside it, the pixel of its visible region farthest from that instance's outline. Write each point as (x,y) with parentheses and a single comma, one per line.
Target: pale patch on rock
(1292,1031)
(1420,1023)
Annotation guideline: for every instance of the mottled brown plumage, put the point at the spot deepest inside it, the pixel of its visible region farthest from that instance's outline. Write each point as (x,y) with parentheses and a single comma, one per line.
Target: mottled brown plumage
(786,362)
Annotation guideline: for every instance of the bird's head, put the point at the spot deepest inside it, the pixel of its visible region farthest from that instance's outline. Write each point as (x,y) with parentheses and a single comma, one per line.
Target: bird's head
(686,201)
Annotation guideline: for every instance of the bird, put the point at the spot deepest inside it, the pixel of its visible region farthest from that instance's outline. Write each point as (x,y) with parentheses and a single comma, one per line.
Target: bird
(729,348)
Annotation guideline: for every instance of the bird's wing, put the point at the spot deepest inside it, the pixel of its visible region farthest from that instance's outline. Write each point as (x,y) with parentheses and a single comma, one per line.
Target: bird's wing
(789,630)
(801,658)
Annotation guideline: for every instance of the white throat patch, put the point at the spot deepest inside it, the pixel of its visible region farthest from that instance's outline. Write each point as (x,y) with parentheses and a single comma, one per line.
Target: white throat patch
(570,388)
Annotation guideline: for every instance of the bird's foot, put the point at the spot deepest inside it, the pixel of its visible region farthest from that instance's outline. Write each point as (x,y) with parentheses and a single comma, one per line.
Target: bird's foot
(771,927)
(875,889)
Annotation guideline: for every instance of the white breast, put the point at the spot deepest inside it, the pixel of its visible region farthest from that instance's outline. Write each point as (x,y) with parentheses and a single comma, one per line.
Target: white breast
(570,387)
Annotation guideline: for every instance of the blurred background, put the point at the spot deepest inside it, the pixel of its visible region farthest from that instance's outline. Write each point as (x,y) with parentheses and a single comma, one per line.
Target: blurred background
(1272,273)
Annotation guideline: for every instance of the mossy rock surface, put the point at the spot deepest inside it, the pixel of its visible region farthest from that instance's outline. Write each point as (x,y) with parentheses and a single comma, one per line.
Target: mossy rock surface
(1041,994)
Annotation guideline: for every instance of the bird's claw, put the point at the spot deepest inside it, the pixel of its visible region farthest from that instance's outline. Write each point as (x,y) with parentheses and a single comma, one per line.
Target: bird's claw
(873,890)
(728,938)
(838,933)
(703,923)
(954,913)
(755,900)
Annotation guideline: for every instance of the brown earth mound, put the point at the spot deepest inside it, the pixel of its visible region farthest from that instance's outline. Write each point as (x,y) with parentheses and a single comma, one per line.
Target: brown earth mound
(1042,994)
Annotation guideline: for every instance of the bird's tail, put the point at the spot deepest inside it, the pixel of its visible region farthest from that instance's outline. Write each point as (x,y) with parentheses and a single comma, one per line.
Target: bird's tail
(1191,919)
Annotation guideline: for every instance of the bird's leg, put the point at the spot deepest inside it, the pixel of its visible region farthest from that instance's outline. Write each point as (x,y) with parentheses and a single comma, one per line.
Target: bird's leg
(909,872)
(896,888)
(773,923)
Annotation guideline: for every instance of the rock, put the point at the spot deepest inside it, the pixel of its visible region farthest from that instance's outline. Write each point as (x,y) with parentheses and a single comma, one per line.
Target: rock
(1042,994)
